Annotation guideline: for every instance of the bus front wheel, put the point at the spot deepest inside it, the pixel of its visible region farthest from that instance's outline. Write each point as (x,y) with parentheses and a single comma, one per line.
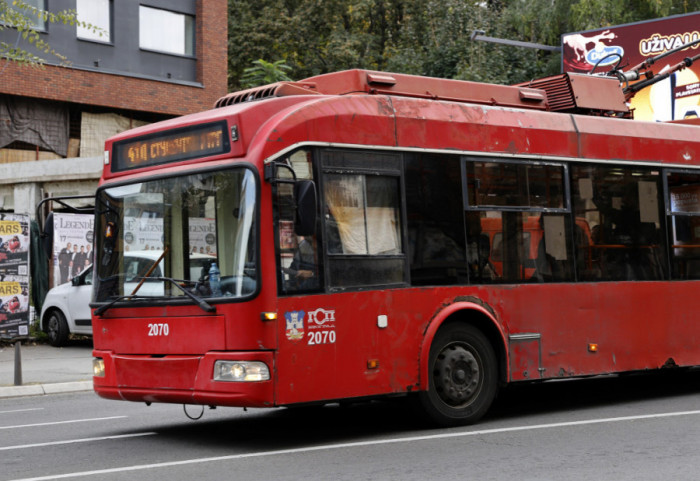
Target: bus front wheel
(462,376)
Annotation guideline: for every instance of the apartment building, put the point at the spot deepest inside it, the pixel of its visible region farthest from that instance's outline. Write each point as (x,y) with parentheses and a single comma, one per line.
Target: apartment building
(151,60)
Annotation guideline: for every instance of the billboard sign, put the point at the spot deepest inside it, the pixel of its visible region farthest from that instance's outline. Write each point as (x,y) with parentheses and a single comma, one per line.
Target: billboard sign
(626,46)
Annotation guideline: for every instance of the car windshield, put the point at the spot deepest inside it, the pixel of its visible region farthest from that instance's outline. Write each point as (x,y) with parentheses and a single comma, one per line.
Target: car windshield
(177,227)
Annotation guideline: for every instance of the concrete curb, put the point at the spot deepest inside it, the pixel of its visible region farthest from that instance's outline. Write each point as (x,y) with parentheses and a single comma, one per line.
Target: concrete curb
(42,389)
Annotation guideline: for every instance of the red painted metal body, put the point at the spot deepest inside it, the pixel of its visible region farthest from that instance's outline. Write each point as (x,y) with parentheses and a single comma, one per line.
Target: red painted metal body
(538,331)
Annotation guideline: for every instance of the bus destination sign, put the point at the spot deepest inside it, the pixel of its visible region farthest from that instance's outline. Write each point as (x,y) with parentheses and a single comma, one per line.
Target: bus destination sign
(171,146)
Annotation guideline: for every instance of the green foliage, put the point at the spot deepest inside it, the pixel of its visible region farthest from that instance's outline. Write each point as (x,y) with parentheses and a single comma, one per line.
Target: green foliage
(264,73)
(19,15)
(424,37)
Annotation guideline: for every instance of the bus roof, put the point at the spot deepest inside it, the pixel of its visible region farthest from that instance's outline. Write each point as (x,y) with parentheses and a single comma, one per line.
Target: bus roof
(569,92)
(566,116)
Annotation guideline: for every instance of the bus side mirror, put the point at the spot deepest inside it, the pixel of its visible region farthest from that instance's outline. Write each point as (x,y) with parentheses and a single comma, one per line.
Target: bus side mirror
(305,198)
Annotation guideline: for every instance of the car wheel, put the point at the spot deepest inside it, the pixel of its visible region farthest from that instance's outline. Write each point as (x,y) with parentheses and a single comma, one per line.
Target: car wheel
(57,328)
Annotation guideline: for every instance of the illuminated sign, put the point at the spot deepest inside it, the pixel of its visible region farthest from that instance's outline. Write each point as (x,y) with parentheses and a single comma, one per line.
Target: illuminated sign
(171,146)
(678,96)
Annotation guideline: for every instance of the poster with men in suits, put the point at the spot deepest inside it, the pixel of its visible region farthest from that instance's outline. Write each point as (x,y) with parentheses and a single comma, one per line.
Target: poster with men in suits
(72,245)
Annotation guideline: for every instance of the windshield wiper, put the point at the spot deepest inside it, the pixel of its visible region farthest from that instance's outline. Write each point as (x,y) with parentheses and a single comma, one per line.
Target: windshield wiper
(100,310)
(204,305)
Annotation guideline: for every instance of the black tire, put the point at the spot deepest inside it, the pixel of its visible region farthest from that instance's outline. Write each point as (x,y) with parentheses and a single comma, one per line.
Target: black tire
(463,376)
(57,328)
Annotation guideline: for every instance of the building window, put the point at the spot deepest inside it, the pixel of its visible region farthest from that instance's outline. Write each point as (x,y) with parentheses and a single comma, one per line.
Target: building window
(37,21)
(96,13)
(165,31)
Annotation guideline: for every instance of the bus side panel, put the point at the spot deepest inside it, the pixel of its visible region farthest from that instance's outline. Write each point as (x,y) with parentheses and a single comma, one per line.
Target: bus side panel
(603,138)
(633,325)
(334,346)
(340,349)
(442,125)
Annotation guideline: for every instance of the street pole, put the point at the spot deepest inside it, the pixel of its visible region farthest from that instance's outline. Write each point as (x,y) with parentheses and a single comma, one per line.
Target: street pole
(18,363)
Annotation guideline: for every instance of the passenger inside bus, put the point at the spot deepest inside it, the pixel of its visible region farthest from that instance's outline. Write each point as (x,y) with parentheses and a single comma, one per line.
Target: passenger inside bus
(302,274)
(551,263)
(478,250)
(623,226)
(624,213)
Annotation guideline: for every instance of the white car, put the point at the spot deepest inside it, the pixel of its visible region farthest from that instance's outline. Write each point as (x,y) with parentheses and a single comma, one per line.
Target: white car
(66,309)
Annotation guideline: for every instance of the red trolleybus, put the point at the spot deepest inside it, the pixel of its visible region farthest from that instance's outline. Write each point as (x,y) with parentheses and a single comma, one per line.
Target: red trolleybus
(380,234)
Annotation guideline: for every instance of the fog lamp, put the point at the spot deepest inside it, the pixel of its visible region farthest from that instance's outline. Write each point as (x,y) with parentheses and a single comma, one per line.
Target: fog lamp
(98,367)
(241,371)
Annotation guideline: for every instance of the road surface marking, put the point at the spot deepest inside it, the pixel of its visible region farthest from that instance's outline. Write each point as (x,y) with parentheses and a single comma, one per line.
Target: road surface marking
(75,441)
(329,447)
(61,422)
(21,410)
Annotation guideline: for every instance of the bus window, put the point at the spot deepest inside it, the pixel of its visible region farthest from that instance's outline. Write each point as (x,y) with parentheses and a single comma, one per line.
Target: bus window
(363,214)
(684,224)
(515,185)
(298,256)
(435,216)
(523,211)
(622,208)
(193,221)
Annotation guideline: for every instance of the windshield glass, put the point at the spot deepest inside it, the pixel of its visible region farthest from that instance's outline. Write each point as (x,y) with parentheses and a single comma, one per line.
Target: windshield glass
(177,227)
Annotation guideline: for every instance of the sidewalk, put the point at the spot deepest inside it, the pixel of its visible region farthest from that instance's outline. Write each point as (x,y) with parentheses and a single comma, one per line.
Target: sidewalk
(46,369)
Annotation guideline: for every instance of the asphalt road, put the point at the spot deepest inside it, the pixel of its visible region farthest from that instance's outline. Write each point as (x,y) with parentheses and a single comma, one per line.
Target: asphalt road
(637,427)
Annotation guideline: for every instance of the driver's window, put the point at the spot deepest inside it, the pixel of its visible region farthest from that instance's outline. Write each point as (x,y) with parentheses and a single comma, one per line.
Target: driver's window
(298,256)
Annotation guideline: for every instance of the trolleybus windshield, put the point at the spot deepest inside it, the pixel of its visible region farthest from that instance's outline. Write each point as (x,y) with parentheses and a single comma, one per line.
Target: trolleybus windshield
(177,228)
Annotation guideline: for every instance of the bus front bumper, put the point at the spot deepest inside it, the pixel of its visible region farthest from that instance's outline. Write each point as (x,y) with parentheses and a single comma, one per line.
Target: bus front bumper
(187,379)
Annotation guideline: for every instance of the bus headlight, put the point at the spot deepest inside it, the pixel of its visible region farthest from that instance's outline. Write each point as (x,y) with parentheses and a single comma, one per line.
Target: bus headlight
(241,371)
(98,367)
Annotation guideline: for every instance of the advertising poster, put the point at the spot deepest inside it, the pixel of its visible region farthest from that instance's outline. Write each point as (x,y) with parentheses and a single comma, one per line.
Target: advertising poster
(202,235)
(72,245)
(674,98)
(143,233)
(14,275)
(14,245)
(146,233)
(14,307)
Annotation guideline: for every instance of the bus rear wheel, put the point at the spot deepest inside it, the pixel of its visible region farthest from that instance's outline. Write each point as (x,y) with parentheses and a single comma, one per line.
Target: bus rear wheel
(463,376)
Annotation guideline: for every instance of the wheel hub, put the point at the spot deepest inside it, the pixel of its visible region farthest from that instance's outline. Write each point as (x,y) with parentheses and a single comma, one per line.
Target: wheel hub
(457,375)
(53,325)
